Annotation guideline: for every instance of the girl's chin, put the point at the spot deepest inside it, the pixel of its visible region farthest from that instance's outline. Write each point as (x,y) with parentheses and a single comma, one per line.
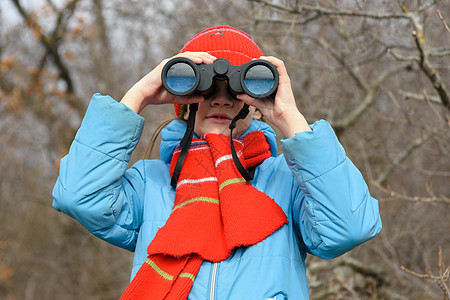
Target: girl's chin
(224,130)
(216,128)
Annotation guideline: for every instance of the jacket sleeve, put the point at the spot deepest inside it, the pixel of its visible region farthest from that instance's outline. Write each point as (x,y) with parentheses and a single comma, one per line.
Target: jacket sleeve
(94,186)
(335,212)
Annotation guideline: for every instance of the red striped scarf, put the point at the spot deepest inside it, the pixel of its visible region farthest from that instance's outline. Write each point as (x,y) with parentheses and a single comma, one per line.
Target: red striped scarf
(215,210)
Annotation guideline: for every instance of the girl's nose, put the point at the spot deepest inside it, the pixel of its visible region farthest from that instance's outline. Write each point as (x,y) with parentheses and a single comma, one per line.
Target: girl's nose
(222,97)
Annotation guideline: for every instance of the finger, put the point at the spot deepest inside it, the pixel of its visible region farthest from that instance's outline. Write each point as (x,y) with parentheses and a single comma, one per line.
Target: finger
(249,100)
(194,98)
(198,57)
(274,60)
(200,54)
(281,68)
(284,84)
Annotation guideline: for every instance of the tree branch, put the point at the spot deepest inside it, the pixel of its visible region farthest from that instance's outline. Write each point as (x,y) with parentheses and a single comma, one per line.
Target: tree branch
(439,52)
(41,111)
(360,81)
(369,99)
(402,156)
(288,22)
(369,88)
(408,95)
(400,57)
(363,268)
(401,196)
(51,43)
(443,21)
(331,12)
(431,73)
(441,279)
(423,59)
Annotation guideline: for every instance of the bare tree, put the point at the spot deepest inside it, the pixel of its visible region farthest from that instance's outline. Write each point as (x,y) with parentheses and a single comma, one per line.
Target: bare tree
(378,71)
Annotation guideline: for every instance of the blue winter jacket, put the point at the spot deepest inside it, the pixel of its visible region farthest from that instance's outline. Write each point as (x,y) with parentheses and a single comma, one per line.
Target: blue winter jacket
(323,195)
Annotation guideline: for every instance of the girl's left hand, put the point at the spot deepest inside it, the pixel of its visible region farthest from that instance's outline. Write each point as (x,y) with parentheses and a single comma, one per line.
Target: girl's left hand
(282,112)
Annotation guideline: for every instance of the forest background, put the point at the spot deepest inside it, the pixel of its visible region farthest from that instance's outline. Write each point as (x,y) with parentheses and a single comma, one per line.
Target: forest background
(378,71)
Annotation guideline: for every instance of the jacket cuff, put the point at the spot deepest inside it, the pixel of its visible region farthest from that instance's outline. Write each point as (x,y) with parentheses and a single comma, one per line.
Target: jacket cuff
(110,127)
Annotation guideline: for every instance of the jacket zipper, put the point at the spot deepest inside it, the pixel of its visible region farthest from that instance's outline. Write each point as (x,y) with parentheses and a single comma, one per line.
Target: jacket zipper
(213,281)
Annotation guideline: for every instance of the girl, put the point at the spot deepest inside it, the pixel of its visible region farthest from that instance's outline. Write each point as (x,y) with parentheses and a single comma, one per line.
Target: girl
(216,236)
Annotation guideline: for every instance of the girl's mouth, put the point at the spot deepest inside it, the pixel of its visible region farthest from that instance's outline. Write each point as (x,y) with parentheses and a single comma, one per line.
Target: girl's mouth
(219,116)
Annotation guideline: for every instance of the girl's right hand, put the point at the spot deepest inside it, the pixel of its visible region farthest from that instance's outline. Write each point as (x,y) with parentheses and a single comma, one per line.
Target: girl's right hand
(149,90)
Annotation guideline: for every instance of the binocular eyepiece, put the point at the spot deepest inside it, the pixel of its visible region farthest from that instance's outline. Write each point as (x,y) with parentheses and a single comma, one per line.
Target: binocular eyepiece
(258,78)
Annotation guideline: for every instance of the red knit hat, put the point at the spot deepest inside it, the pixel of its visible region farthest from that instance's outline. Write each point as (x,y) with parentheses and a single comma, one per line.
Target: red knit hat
(222,42)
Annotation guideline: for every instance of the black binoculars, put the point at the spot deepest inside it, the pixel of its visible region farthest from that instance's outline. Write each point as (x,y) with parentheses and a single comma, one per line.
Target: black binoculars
(257,78)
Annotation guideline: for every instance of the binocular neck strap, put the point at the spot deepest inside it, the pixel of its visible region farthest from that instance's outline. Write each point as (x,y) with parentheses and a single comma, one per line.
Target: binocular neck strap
(241,115)
(185,143)
(187,139)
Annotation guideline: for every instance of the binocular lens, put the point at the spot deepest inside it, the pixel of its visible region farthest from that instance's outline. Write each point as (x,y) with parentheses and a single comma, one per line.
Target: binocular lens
(259,80)
(181,77)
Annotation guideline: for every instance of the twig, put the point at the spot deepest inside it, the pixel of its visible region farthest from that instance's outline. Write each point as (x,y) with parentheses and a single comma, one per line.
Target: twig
(50,42)
(408,95)
(400,57)
(402,156)
(288,21)
(354,74)
(402,196)
(425,65)
(361,267)
(345,284)
(368,101)
(331,12)
(442,19)
(441,279)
